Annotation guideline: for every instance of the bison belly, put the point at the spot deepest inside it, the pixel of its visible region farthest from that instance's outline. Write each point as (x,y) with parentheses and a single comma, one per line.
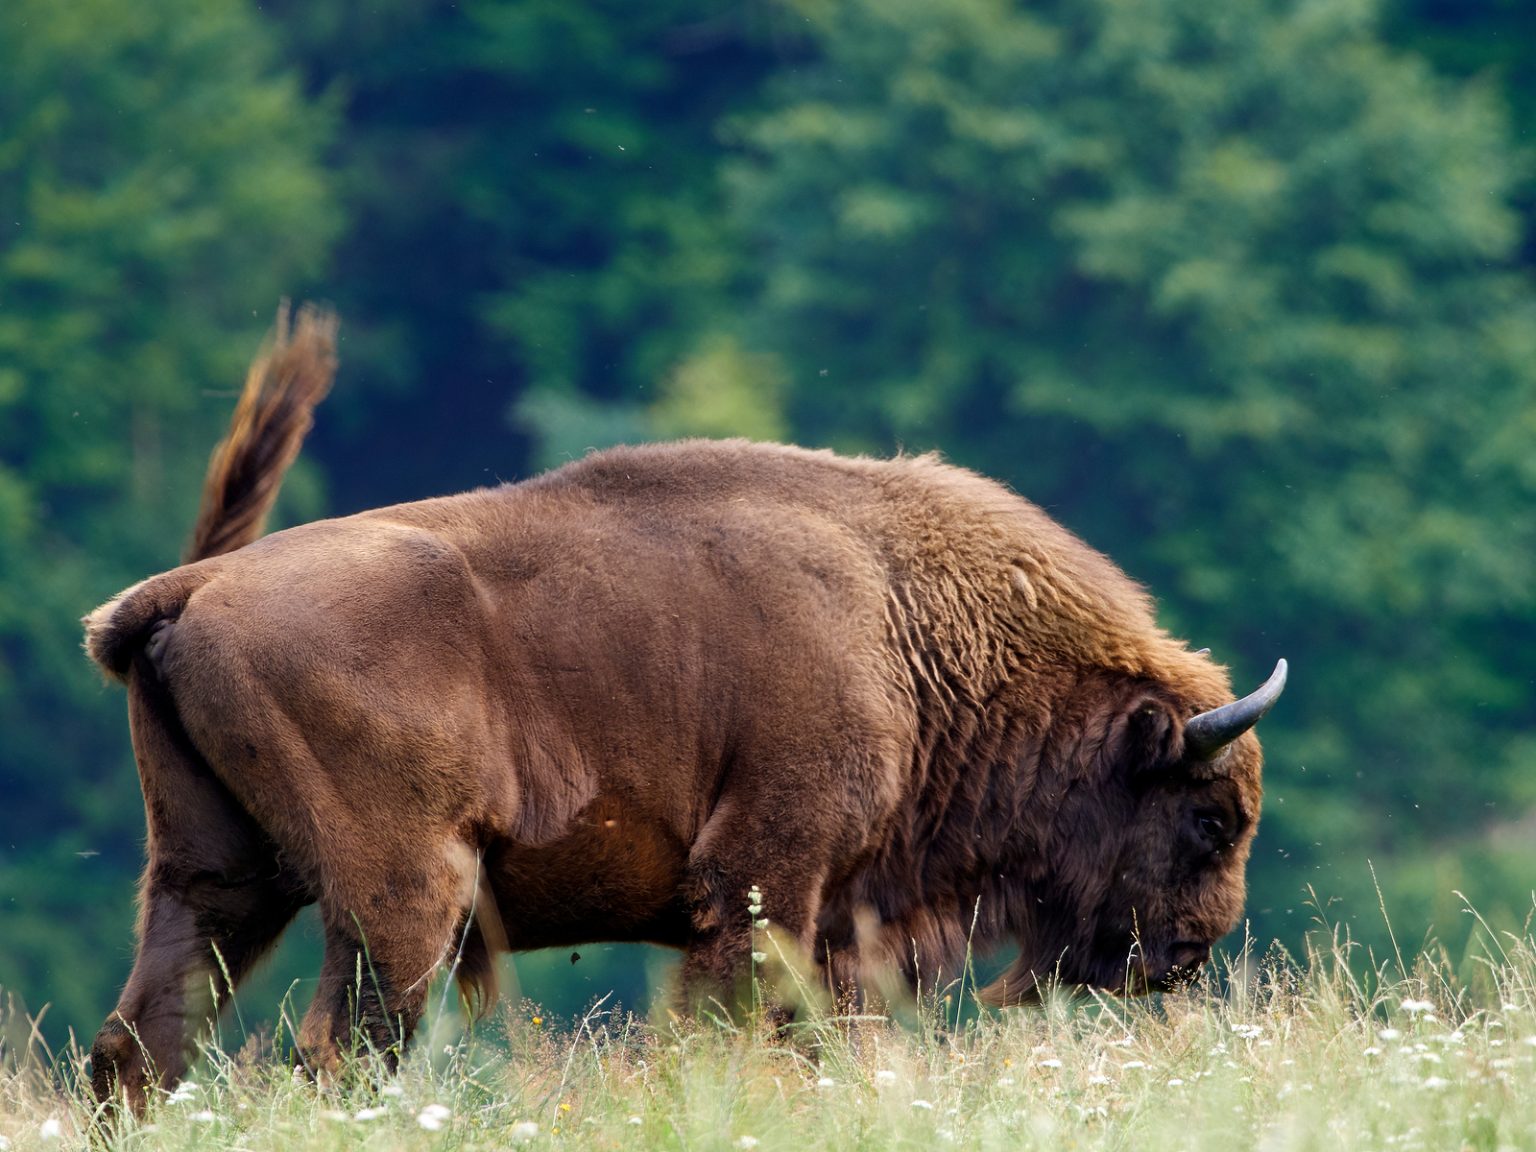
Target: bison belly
(612,876)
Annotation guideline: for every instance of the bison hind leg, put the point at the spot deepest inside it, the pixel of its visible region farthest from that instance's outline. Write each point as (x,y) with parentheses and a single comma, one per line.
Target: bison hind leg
(388,931)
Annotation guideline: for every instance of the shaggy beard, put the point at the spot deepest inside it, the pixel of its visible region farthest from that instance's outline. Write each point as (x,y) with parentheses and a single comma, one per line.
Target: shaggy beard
(1117,972)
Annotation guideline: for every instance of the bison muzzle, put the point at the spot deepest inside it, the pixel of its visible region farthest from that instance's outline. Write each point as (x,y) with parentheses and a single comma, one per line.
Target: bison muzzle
(603,703)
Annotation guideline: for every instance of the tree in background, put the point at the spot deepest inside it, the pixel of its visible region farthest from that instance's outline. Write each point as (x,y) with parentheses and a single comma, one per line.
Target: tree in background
(157,183)
(1231,290)
(535,222)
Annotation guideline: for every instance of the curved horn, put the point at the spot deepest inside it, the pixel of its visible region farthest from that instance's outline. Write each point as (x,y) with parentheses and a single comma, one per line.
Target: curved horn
(1210,732)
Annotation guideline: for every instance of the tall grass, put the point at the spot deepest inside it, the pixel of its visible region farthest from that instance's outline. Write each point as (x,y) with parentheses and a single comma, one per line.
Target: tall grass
(1326,1053)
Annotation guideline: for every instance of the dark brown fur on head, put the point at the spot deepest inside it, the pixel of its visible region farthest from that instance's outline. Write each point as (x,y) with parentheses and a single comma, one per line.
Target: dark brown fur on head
(1063,815)
(605,703)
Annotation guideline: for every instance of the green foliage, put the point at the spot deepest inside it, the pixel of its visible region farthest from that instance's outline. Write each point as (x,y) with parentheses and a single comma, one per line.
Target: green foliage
(157,181)
(534,216)
(1475,38)
(1234,292)
(720,389)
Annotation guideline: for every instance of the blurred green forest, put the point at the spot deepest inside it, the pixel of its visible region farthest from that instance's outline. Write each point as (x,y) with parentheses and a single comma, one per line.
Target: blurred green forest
(1239,290)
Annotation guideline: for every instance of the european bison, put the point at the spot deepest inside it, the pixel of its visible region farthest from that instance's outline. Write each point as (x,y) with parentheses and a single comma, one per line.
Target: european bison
(603,703)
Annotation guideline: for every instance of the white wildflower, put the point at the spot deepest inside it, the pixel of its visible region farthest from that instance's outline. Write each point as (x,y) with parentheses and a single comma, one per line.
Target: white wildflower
(763,923)
(5,1144)
(925,1105)
(826,1082)
(1050,1063)
(1134,1064)
(1373,1051)
(1414,1007)
(523,1130)
(759,957)
(1389,1033)
(746,1142)
(366,1114)
(1123,1042)
(1531,1040)
(1099,1080)
(204,1117)
(885,1076)
(1175,1082)
(391,1090)
(1435,1083)
(50,1129)
(1006,1082)
(634,1120)
(332,1114)
(1509,1007)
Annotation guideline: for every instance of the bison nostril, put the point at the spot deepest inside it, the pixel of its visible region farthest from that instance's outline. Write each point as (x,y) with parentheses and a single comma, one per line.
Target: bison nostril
(1188,955)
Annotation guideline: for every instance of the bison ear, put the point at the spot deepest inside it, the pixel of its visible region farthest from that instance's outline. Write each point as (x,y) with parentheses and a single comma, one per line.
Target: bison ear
(1141,740)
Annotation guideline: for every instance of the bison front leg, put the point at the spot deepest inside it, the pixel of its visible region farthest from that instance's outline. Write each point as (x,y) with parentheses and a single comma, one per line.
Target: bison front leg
(388,930)
(748,868)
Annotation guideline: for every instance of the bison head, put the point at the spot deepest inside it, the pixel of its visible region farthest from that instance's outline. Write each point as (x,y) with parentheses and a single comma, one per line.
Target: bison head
(1147,844)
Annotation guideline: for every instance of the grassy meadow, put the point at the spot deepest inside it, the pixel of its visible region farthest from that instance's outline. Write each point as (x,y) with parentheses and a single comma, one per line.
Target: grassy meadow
(1328,1053)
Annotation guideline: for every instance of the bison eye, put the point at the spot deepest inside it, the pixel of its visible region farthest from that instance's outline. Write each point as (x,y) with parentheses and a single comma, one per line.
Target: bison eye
(1212,827)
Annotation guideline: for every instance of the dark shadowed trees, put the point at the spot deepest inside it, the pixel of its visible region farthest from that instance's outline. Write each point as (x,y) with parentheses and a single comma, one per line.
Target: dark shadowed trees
(1235,292)
(159,180)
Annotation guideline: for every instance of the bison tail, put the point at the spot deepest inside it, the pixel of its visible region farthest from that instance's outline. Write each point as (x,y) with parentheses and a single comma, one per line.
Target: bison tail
(290,375)
(123,625)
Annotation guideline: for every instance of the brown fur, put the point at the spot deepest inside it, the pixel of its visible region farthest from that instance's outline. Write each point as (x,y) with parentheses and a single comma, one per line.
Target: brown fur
(601,704)
(285,382)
